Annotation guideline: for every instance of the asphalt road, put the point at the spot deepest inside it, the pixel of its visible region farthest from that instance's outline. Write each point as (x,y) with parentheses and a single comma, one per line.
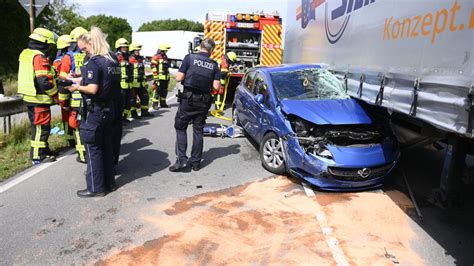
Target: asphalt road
(230,212)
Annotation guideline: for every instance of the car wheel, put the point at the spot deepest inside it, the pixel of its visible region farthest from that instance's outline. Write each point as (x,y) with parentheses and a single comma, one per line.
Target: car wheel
(235,117)
(271,154)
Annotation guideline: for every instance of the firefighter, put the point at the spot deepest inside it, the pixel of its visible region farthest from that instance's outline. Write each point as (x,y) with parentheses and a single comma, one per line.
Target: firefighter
(139,84)
(199,75)
(37,84)
(161,76)
(121,46)
(224,64)
(64,41)
(71,65)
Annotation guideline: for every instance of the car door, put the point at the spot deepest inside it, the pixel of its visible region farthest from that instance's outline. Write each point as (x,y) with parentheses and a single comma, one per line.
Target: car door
(258,112)
(244,98)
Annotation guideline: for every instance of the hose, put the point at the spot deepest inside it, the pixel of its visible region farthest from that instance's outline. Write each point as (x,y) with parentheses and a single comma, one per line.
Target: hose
(220,109)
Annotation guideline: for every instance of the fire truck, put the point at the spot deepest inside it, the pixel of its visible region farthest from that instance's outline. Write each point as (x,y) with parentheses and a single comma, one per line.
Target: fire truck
(255,38)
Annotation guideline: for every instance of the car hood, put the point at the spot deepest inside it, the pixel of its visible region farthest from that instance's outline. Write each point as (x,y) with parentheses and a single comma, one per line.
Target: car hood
(327,112)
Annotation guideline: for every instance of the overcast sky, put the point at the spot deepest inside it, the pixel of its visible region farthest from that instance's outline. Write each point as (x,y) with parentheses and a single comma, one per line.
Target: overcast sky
(138,12)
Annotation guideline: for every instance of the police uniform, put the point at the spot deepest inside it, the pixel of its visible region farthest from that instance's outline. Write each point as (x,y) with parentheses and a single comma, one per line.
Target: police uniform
(99,117)
(200,73)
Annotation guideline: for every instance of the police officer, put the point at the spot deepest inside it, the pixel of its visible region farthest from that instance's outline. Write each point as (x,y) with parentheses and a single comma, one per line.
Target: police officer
(101,77)
(200,75)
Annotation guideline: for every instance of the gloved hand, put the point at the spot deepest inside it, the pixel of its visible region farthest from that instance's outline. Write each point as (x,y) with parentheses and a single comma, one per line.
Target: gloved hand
(221,90)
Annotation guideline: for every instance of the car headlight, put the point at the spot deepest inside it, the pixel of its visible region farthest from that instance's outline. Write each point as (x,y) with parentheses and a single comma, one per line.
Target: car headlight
(324,152)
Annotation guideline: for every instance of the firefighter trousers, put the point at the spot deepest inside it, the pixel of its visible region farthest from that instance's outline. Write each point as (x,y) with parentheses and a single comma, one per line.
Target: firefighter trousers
(40,120)
(163,89)
(127,100)
(141,94)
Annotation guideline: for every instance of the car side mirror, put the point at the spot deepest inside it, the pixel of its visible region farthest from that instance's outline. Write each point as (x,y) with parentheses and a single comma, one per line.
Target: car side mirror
(259,98)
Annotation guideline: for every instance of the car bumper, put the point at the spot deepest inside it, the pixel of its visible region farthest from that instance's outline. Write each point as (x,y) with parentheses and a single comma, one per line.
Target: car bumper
(329,176)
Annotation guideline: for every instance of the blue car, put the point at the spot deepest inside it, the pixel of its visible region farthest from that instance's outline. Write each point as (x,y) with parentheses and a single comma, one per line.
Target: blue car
(307,126)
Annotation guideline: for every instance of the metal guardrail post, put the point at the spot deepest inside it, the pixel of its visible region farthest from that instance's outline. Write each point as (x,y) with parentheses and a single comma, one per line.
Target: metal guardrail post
(10,106)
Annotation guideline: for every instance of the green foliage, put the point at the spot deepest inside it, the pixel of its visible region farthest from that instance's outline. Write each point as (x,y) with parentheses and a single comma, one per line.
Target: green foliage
(15,148)
(14,29)
(114,27)
(172,24)
(60,17)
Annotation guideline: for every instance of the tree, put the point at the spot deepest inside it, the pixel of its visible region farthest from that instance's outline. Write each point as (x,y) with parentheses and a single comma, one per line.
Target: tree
(114,27)
(14,30)
(172,24)
(60,17)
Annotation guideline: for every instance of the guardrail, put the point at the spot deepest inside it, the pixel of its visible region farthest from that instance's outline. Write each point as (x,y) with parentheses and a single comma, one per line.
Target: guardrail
(10,106)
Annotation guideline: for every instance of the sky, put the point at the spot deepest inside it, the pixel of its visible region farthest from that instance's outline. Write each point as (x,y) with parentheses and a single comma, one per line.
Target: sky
(138,12)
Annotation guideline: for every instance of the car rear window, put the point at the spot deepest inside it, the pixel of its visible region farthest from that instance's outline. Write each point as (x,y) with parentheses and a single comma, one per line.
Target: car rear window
(307,84)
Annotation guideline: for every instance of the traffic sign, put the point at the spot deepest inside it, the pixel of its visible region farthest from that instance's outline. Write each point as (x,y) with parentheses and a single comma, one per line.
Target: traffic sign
(38,4)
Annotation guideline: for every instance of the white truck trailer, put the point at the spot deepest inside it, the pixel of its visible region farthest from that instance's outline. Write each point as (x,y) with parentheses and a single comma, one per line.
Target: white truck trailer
(180,41)
(412,60)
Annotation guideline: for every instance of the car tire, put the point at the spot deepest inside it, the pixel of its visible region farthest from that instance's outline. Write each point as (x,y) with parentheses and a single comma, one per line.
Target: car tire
(271,154)
(235,118)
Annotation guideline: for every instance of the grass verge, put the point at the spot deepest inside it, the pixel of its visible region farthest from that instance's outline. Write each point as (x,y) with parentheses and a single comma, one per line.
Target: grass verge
(10,83)
(15,148)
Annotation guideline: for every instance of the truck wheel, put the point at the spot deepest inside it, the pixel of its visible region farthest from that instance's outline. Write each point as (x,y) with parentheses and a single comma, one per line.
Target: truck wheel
(271,154)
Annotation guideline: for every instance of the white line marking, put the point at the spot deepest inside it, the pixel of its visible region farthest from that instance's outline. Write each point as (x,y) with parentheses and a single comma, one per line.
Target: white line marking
(307,190)
(40,168)
(332,242)
(171,98)
(33,172)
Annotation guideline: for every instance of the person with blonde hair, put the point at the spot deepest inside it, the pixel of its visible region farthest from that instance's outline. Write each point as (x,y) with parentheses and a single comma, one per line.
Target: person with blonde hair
(99,87)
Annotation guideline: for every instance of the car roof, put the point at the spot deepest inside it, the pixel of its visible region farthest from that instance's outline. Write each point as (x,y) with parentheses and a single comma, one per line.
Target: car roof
(285,67)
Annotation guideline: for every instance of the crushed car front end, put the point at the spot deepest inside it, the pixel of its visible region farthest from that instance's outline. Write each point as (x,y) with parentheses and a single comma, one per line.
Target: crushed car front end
(337,151)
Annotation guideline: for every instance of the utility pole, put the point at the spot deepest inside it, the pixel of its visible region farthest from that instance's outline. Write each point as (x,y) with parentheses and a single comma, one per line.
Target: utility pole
(32,15)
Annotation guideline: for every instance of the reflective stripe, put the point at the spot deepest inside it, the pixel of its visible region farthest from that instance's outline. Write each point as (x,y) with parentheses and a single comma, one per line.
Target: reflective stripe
(76,99)
(144,107)
(38,144)
(41,72)
(64,96)
(52,91)
(40,98)
(79,147)
(63,74)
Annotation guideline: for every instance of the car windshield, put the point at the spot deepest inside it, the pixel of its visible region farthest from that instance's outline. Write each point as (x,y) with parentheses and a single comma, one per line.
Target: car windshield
(307,84)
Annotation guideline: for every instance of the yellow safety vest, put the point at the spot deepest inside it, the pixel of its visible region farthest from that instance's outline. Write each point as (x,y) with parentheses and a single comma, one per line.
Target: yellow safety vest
(76,97)
(26,78)
(26,72)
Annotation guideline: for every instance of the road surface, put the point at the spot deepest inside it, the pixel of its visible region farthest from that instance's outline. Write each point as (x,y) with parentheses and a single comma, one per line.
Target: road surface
(230,212)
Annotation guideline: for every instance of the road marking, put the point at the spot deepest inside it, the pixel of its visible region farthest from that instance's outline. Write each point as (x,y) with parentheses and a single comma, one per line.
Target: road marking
(332,242)
(171,98)
(33,172)
(307,190)
(40,168)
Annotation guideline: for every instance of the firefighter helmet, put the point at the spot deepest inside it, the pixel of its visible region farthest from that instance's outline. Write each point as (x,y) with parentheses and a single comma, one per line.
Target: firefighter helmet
(43,35)
(122,42)
(164,47)
(63,41)
(76,32)
(135,46)
(232,56)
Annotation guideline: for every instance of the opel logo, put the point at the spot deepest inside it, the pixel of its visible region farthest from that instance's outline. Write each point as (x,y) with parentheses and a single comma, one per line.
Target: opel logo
(364,173)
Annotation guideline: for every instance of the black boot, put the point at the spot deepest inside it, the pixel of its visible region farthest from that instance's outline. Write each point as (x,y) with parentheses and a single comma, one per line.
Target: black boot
(178,167)
(163,104)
